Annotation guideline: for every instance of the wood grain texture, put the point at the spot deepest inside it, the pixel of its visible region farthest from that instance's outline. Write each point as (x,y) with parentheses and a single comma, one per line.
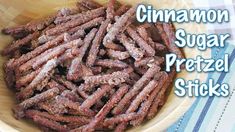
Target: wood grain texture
(15,12)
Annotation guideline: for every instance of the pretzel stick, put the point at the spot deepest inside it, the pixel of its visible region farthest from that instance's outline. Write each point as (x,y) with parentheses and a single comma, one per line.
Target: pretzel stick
(27,78)
(72,95)
(118,54)
(107,107)
(60,20)
(53,107)
(75,106)
(148,61)
(143,111)
(135,52)
(76,20)
(136,88)
(19,109)
(93,23)
(115,29)
(32,26)
(48,54)
(19,43)
(43,74)
(96,43)
(73,73)
(111,63)
(15,30)
(60,118)
(97,95)
(72,86)
(145,92)
(160,97)
(120,118)
(49,123)
(143,44)
(37,51)
(115,78)
(10,76)
(143,33)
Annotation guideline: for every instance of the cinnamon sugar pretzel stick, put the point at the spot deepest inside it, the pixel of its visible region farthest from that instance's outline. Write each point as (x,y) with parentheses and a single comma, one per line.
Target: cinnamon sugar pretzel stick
(148,60)
(86,87)
(77,20)
(49,123)
(160,97)
(135,52)
(48,54)
(10,76)
(143,111)
(32,26)
(136,88)
(96,43)
(97,95)
(54,54)
(19,43)
(74,35)
(69,54)
(120,55)
(15,30)
(115,29)
(72,95)
(53,107)
(27,78)
(114,78)
(71,86)
(143,44)
(143,61)
(60,118)
(111,63)
(143,33)
(44,73)
(106,109)
(93,23)
(19,109)
(75,106)
(167,34)
(120,118)
(40,24)
(145,92)
(73,73)
(53,84)
(37,51)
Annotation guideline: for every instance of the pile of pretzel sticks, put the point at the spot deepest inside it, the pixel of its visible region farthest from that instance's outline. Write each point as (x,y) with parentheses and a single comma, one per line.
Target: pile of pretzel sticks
(89,68)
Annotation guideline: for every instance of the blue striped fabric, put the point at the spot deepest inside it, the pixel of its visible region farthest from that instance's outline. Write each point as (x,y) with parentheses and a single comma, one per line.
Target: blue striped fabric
(199,117)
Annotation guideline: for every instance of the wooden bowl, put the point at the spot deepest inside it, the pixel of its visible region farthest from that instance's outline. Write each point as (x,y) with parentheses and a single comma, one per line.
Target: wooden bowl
(15,12)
